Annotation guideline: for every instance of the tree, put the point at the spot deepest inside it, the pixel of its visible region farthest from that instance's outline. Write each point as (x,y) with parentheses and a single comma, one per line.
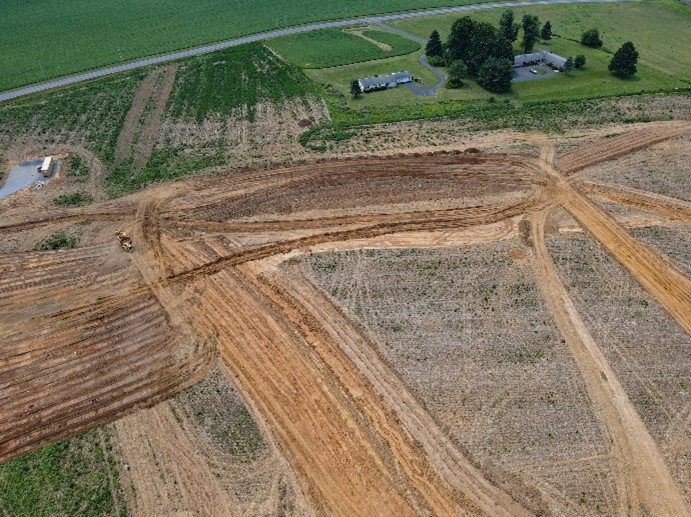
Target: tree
(470,41)
(355,89)
(569,65)
(434,47)
(436,61)
(459,39)
(457,72)
(530,32)
(495,75)
(503,49)
(579,62)
(546,31)
(483,45)
(591,38)
(507,28)
(623,63)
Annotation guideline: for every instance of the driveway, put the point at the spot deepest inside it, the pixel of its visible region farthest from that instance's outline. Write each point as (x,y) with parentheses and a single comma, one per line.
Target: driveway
(524,73)
(22,176)
(419,91)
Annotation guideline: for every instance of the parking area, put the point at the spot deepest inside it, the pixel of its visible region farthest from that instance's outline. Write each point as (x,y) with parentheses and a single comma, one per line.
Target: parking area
(23,175)
(524,73)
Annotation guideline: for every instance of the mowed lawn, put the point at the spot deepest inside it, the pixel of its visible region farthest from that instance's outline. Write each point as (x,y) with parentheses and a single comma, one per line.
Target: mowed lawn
(44,39)
(660,30)
(334,47)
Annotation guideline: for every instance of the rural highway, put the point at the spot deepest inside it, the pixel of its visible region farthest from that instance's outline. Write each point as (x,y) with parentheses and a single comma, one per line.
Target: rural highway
(205,49)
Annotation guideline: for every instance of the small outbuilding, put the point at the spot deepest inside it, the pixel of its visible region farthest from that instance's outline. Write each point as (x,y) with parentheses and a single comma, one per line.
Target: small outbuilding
(539,57)
(381,82)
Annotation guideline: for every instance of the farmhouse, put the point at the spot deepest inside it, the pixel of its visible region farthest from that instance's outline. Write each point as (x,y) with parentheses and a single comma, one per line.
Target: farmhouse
(537,57)
(379,82)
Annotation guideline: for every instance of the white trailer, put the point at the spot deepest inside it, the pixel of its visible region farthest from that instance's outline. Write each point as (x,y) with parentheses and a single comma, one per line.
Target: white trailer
(47,167)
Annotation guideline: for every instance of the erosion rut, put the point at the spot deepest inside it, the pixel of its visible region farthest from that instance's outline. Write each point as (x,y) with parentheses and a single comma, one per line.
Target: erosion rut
(92,334)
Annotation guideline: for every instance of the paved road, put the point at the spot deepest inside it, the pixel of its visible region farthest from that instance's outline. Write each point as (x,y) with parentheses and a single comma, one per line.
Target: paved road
(58,83)
(419,91)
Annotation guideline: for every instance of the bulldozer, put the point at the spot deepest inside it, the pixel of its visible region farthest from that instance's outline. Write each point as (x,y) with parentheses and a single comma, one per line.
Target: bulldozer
(125,241)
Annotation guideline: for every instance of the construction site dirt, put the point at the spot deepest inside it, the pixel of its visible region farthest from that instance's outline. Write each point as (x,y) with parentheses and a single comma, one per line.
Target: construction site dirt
(218,281)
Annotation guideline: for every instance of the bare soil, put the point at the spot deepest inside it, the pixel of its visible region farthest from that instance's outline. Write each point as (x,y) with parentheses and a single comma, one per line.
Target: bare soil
(93,334)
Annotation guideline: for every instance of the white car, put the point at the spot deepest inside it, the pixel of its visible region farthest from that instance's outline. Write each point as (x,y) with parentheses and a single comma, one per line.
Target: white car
(533,71)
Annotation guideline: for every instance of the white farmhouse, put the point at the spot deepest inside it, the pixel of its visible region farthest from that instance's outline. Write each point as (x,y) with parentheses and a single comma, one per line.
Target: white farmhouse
(380,82)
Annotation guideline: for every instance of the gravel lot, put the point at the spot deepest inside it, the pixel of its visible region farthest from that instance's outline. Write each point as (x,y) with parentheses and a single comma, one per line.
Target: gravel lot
(21,176)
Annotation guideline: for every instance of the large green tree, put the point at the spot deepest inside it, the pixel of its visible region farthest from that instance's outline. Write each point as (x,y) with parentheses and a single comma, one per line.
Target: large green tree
(503,49)
(623,63)
(495,75)
(459,40)
(434,47)
(471,42)
(507,28)
(531,31)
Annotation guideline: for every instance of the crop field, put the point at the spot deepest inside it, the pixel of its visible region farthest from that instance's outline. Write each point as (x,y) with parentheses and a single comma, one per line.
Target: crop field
(456,352)
(91,34)
(335,47)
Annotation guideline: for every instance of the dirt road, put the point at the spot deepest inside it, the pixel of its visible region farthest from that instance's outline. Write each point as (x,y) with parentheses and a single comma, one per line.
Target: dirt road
(205,279)
(643,481)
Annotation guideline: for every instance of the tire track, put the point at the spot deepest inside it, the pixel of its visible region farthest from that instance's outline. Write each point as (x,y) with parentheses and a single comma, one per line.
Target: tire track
(643,481)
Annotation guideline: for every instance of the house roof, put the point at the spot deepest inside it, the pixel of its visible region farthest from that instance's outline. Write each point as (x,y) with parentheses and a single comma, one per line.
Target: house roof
(382,80)
(539,55)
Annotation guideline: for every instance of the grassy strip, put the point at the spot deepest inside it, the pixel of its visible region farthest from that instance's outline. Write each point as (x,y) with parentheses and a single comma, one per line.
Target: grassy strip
(70,477)
(44,39)
(477,115)
(216,409)
(335,47)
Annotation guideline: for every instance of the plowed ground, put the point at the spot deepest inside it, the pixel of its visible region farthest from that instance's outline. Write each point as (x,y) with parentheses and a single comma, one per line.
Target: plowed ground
(90,334)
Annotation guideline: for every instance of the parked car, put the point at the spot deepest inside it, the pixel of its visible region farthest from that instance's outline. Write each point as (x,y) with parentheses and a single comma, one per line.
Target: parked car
(533,71)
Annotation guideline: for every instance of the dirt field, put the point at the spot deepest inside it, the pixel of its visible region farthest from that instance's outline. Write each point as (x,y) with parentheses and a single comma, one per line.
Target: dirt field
(465,383)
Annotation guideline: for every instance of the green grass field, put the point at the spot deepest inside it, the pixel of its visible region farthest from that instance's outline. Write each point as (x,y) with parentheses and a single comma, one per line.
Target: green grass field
(44,39)
(335,47)
(77,476)
(654,26)
(660,30)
